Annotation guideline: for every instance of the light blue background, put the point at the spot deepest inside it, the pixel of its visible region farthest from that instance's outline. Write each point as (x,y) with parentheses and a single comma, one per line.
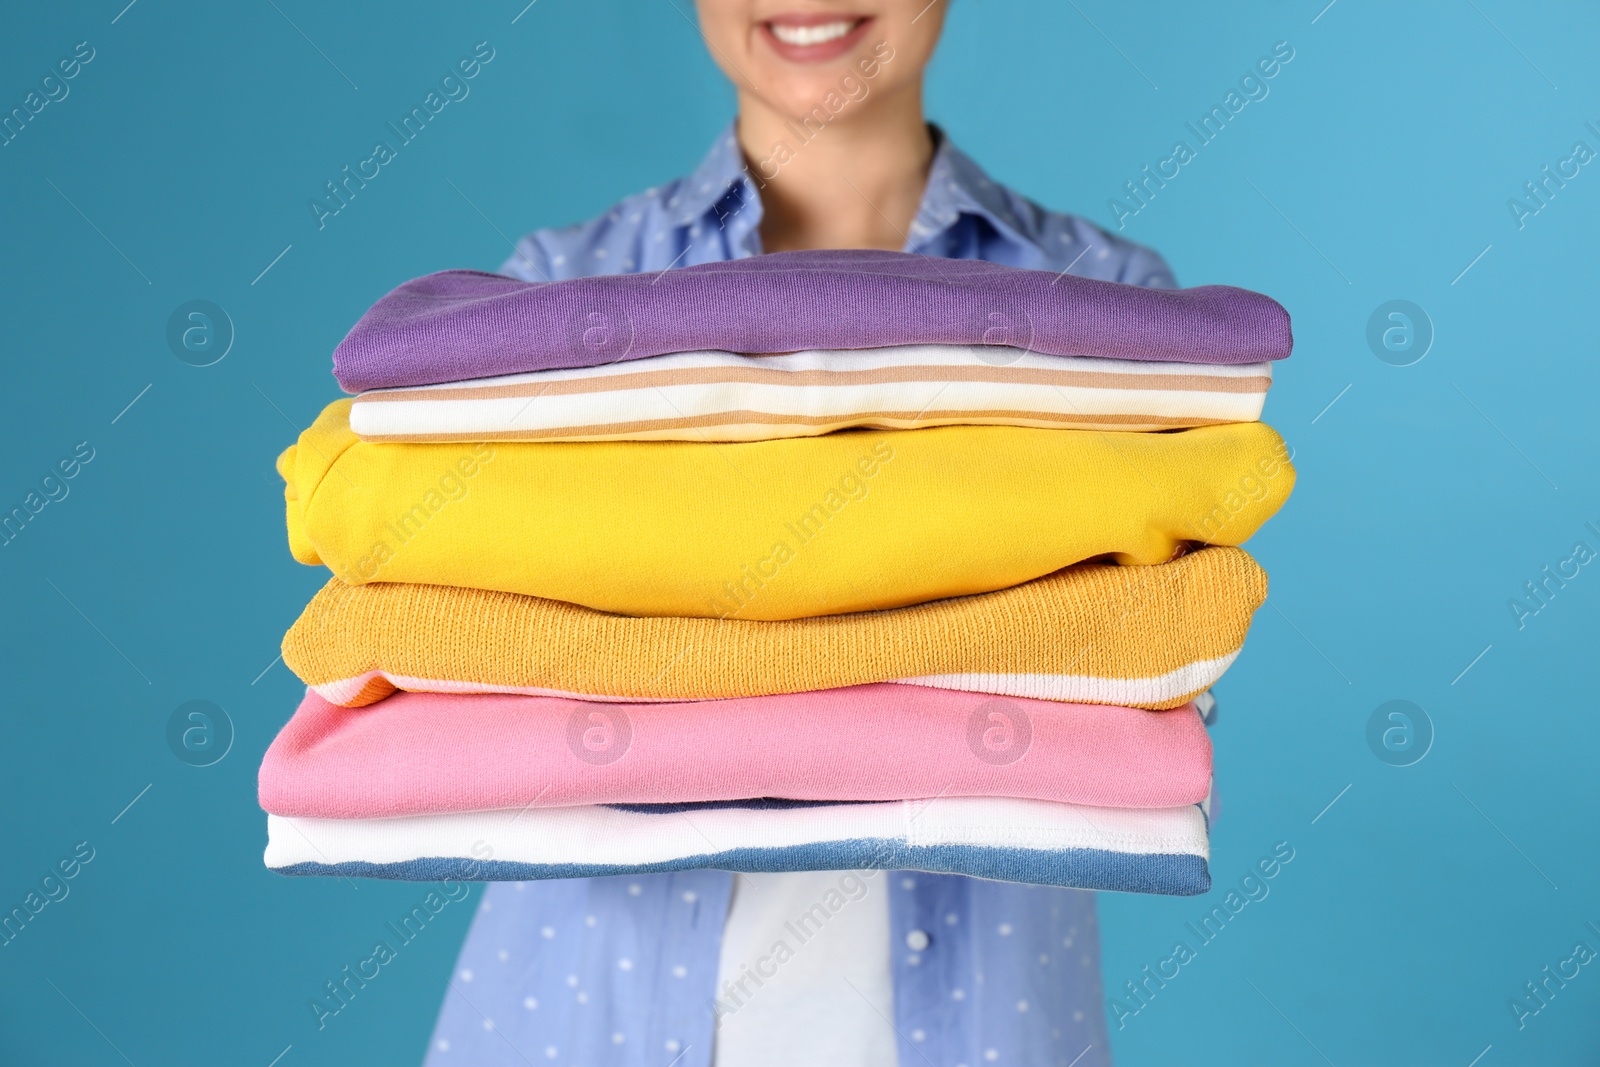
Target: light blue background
(1379,167)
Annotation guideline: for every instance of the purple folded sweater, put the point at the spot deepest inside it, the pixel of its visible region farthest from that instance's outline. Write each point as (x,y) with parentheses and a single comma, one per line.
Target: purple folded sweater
(467,324)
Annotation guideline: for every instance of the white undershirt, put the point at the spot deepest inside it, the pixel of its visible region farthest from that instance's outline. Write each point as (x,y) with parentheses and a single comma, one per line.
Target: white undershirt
(808,938)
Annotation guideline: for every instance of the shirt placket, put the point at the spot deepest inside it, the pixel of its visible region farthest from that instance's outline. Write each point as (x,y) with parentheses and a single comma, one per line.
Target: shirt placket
(928,955)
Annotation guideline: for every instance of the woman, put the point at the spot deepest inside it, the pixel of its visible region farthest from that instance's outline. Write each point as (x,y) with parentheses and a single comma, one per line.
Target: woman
(830,150)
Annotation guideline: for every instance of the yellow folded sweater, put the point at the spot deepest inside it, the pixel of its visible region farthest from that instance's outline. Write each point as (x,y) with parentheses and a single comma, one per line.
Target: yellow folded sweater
(787,529)
(1150,637)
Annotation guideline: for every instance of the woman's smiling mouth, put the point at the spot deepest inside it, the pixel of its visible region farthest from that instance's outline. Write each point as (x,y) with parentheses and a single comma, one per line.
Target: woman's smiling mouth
(814,38)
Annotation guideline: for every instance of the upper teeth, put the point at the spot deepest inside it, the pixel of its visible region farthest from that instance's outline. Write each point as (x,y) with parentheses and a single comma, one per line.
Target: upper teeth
(804,35)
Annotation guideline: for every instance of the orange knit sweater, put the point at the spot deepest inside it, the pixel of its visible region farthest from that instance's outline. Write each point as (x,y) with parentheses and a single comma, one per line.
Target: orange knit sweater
(1139,636)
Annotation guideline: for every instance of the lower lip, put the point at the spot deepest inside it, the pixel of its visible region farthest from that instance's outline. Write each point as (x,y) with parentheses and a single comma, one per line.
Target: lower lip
(816,53)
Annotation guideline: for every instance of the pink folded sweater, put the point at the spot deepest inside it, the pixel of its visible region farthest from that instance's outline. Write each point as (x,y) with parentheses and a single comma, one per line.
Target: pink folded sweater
(423,753)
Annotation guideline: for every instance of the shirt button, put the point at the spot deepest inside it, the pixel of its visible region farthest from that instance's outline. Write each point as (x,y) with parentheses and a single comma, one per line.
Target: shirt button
(917,940)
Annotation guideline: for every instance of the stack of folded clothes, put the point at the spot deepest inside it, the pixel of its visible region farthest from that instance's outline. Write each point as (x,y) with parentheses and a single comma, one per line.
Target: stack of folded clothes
(810,561)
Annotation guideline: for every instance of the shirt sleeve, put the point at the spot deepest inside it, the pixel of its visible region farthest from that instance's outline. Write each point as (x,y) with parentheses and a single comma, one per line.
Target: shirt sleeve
(529,262)
(1147,268)
(1073,243)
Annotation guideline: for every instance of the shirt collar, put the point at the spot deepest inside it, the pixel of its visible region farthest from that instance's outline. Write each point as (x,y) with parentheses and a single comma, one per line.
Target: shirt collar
(721,187)
(719,173)
(957,186)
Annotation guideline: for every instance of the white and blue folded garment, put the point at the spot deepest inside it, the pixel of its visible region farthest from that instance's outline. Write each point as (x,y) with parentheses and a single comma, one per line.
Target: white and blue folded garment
(1152,850)
(723,396)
